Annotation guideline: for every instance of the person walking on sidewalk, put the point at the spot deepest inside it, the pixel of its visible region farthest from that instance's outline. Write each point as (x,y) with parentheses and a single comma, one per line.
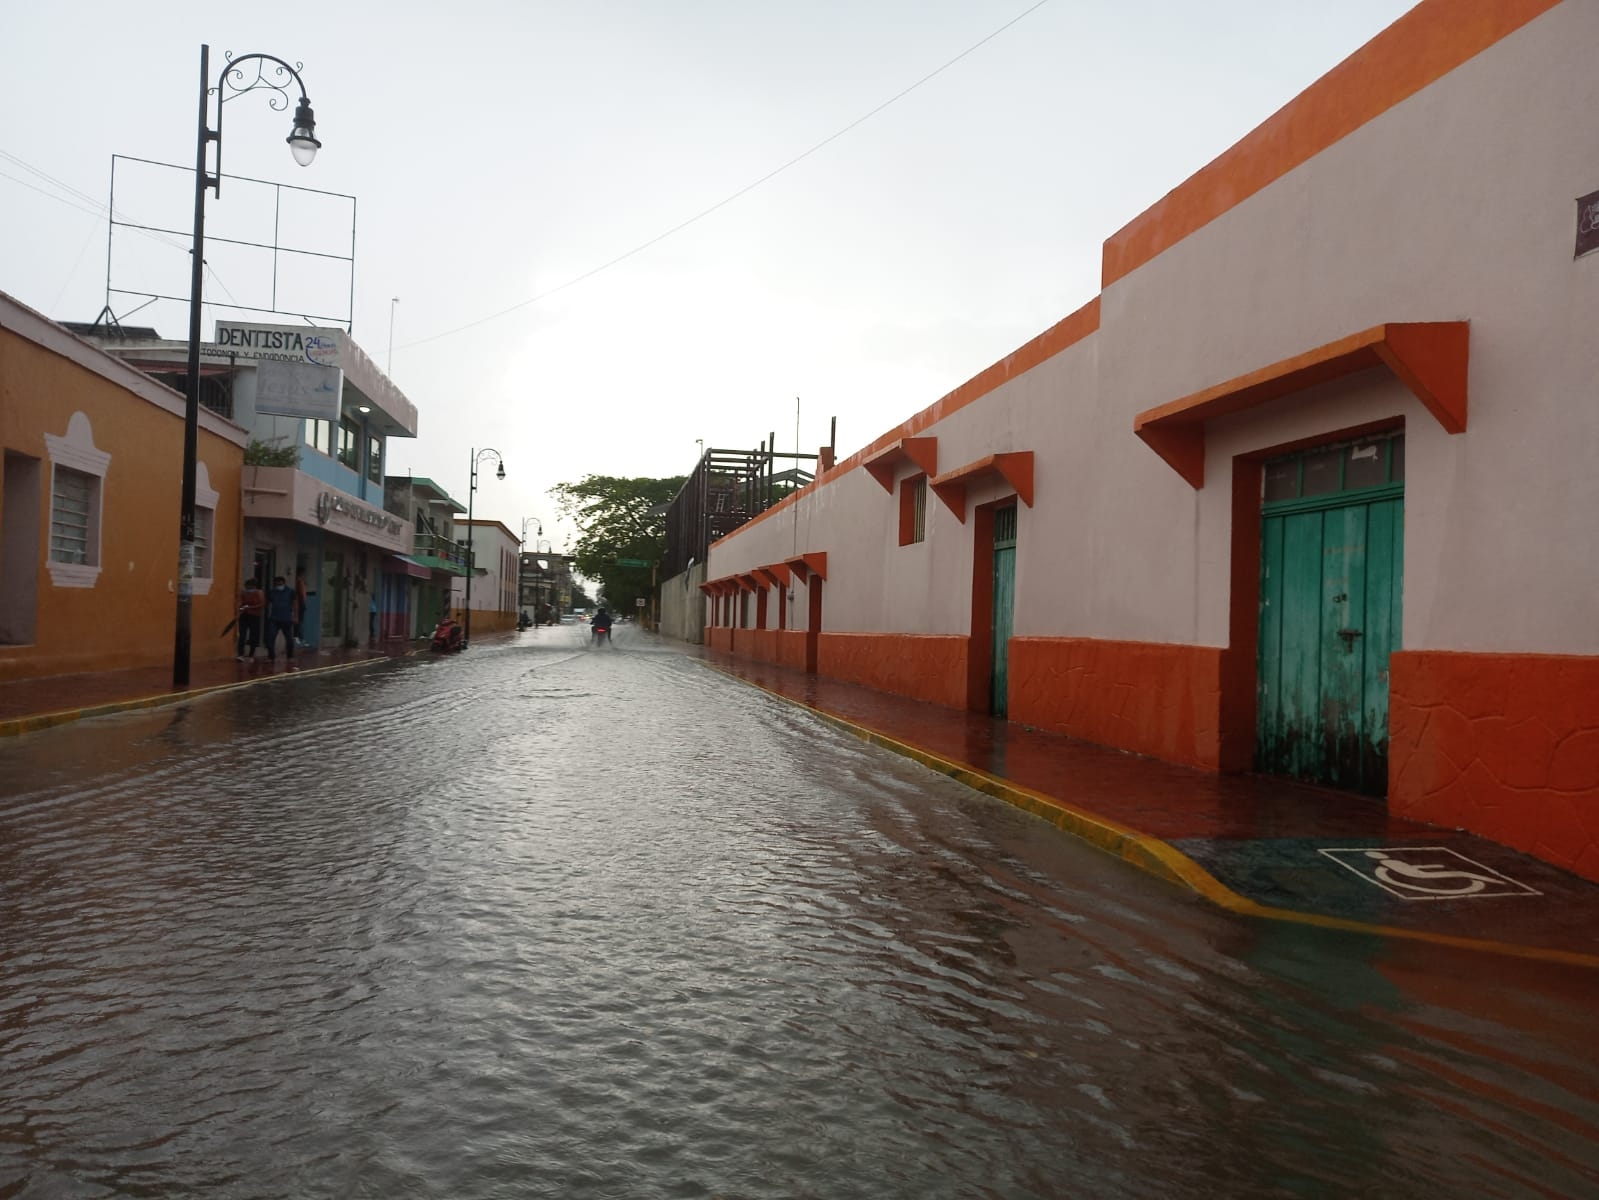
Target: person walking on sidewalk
(280,617)
(252,602)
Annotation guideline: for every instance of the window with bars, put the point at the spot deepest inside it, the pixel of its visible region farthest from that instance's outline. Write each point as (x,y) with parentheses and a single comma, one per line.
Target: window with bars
(74,504)
(204,523)
(913,510)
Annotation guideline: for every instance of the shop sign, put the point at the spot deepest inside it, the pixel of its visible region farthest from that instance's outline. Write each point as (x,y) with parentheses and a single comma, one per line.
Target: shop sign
(297,389)
(276,342)
(328,503)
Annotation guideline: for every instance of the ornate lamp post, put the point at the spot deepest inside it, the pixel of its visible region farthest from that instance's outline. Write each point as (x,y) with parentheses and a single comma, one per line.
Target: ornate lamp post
(235,80)
(471,568)
(521,565)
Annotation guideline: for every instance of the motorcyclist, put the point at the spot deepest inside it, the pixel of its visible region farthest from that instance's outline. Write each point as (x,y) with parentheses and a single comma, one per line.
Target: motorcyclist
(602,623)
(447,636)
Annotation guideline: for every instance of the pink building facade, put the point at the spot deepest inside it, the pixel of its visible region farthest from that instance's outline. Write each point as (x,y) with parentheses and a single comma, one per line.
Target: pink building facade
(1308,488)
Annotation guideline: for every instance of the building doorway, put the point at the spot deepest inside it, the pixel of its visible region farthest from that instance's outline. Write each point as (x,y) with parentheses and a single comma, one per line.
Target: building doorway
(1004,608)
(1331,586)
(331,594)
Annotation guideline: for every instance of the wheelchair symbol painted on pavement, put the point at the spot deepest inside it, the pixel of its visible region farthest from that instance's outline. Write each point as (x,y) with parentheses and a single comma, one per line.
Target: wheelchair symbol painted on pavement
(1427,873)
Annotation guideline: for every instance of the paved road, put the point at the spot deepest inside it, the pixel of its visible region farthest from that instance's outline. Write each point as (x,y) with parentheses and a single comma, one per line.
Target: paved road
(551,920)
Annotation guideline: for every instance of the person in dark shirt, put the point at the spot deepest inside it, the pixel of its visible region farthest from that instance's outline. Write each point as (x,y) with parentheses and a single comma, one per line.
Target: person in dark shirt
(252,603)
(279,617)
(602,624)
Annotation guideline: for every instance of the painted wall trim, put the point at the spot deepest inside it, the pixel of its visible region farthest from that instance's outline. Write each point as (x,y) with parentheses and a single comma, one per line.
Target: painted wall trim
(1015,467)
(922,452)
(1431,358)
(1418,49)
(1503,745)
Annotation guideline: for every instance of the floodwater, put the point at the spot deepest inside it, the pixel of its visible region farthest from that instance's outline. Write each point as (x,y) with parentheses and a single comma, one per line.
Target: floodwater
(548,920)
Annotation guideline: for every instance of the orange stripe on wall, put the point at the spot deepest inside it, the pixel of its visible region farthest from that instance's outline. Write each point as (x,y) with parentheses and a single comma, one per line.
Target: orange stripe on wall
(1505,745)
(1151,698)
(927,667)
(1052,341)
(1420,48)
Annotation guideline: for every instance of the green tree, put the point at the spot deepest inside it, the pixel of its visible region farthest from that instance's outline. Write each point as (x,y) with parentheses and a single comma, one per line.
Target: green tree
(618,519)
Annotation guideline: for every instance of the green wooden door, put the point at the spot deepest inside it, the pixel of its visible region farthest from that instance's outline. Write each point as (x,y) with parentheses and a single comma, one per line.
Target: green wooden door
(1004,606)
(1330,595)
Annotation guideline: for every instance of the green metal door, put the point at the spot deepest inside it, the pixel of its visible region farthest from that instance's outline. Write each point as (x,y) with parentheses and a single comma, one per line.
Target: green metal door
(1330,596)
(1004,605)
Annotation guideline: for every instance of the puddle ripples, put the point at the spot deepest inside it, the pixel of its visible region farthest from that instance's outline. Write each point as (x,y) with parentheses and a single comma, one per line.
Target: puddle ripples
(599,923)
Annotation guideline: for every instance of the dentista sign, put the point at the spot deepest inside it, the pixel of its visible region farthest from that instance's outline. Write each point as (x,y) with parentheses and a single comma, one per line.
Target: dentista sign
(283,343)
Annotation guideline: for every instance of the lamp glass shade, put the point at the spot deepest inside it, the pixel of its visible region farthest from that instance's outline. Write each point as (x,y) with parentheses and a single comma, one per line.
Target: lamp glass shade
(500,474)
(303,144)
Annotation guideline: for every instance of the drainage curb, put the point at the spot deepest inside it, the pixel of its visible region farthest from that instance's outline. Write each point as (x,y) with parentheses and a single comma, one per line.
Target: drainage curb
(1150,854)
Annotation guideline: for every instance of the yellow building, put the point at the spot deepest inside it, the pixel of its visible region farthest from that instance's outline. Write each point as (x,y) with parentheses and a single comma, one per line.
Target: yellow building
(89,509)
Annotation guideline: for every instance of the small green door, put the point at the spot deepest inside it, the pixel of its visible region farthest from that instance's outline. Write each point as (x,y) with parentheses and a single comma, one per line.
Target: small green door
(1331,563)
(1004,605)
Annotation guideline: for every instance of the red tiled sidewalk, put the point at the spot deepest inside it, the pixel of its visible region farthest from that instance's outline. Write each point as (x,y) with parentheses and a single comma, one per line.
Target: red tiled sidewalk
(1257,840)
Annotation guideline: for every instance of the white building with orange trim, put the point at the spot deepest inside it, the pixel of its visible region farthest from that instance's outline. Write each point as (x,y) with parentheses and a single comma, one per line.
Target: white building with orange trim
(1308,488)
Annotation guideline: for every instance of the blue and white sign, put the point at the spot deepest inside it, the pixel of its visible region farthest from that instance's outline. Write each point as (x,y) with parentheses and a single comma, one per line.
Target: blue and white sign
(298,389)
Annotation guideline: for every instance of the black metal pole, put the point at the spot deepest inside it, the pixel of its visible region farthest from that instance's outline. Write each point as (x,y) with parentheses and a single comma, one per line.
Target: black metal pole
(183,636)
(471,494)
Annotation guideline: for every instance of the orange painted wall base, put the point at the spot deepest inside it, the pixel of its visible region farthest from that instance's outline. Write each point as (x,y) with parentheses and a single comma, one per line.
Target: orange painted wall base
(1503,745)
(791,649)
(1151,698)
(924,666)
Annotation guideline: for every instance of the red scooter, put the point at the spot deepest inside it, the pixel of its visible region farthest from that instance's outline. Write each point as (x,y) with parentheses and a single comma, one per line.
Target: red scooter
(447,637)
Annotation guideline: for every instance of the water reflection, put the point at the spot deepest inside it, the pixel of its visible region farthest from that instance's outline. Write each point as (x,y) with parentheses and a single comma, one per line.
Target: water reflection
(548,920)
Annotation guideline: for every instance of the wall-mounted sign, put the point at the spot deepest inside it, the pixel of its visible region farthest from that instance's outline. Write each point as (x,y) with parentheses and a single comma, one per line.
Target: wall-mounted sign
(1587,224)
(285,343)
(330,503)
(298,389)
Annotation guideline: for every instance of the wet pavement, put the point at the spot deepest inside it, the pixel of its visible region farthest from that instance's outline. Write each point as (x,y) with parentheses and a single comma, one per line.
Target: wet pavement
(1261,845)
(1266,846)
(28,704)
(544,919)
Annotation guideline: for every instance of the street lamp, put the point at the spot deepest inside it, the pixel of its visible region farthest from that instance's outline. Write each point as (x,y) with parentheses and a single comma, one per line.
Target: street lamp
(521,566)
(304,145)
(471,491)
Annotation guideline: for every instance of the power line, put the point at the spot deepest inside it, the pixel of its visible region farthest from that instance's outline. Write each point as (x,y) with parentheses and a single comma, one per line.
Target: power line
(726,200)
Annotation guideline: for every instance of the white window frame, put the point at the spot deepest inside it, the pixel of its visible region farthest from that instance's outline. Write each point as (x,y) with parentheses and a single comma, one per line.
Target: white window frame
(205,501)
(78,452)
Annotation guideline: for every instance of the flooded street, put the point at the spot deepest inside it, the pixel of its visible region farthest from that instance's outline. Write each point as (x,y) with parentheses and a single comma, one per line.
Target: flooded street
(546,920)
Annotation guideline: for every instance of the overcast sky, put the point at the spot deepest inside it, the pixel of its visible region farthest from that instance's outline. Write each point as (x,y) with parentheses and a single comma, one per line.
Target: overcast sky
(502,154)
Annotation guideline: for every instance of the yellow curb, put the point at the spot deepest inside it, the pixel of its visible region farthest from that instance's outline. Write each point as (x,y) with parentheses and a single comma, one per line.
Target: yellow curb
(19,725)
(1150,854)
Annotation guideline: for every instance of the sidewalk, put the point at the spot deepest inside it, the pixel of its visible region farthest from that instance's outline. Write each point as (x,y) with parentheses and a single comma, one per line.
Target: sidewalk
(1249,843)
(30,704)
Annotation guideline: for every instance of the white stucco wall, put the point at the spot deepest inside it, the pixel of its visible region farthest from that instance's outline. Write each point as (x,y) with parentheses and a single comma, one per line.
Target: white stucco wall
(1457,204)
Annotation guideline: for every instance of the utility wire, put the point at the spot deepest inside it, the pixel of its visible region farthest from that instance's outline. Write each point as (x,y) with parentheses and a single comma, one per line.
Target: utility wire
(726,200)
(96,208)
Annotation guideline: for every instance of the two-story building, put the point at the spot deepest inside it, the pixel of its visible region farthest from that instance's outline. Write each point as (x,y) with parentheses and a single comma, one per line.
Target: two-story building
(319,415)
(436,558)
(495,563)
